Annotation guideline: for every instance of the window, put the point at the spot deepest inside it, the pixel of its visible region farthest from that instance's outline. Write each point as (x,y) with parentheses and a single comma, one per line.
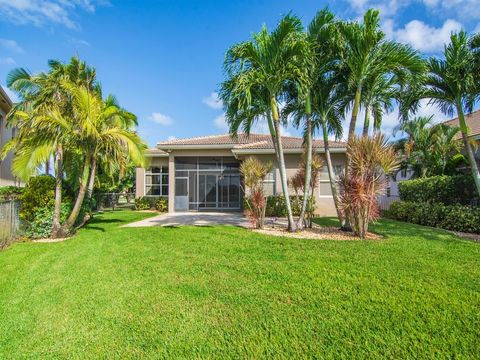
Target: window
(156,181)
(325,190)
(269,183)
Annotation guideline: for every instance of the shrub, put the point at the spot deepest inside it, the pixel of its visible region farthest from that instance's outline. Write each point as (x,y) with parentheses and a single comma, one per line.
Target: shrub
(38,193)
(449,217)
(9,192)
(276,205)
(161,204)
(151,202)
(448,190)
(41,226)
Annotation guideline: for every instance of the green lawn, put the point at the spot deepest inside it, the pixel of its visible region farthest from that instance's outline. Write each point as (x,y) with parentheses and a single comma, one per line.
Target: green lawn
(225,292)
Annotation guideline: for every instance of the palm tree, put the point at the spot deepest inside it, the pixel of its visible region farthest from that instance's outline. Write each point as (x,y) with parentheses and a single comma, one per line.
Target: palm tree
(320,40)
(367,55)
(427,148)
(44,100)
(262,67)
(102,130)
(452,84)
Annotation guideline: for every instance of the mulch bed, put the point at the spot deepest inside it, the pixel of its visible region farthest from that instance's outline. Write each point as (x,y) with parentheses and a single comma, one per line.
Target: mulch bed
(317,233)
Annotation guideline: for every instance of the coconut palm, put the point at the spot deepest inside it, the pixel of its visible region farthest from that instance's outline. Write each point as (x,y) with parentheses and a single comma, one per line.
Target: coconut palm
(452,84)
(102,130)
(43,99)
(263,66)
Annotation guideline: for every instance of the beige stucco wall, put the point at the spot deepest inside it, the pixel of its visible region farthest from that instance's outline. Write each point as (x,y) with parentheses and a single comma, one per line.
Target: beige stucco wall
(325,205)
(6,133)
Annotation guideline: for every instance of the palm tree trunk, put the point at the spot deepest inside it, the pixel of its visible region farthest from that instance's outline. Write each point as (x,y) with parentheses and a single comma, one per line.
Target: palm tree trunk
(56,226)
(67,227)
(351,134)
(331,173)
(91,181)
(281,162)
(468,148)
(366,123)
(308,164)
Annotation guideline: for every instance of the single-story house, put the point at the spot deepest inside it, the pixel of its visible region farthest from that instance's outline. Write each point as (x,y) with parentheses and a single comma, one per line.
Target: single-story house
(6,133)
(202,173)
(473,124)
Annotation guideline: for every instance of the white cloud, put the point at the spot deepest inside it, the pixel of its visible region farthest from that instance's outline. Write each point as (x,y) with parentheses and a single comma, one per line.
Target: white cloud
(220,123)
(161,119)
(79,42)
(213,101)
(422,36)
(466,10)
(171,138)
(8,61)
(11,45)
(41,12)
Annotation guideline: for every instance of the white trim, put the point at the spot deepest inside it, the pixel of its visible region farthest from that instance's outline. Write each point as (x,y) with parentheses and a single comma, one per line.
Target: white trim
(285,151)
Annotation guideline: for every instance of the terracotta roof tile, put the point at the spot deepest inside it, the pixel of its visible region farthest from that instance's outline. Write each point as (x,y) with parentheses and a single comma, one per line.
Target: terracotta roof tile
(473,123)
(244,141)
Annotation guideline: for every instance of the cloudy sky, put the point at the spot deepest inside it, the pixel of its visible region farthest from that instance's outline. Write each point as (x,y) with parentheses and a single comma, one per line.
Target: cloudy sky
(163,59)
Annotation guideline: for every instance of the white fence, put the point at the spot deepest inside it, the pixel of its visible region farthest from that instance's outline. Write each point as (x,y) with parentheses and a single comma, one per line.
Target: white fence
(386,201)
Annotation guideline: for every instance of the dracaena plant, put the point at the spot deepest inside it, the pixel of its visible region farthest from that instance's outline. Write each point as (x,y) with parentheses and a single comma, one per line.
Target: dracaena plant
(371,160)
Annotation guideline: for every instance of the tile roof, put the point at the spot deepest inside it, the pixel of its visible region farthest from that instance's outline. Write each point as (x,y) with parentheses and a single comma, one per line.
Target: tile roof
(473,123)
(244,141)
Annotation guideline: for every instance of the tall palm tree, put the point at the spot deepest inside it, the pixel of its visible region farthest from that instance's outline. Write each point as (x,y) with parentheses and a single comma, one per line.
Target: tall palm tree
(452,84)
(263,66)
(102,130)
(368,55)
(320,41)
(43,99)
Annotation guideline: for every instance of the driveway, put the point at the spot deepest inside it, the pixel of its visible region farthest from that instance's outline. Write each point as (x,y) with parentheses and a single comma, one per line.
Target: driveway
(195,219)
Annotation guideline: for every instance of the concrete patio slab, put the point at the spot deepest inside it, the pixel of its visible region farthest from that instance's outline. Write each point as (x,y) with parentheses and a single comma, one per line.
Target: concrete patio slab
(195,219)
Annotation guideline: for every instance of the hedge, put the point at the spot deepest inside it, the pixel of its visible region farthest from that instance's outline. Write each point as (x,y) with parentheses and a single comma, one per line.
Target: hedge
(450,217)
(151,202)
(448,190)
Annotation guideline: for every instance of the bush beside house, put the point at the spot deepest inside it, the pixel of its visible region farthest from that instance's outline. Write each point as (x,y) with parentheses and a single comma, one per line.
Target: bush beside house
(151,203)
(438,201)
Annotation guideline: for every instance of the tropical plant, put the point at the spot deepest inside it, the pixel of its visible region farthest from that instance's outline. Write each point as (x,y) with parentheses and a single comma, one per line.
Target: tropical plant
(257,73)
(254,173)
(368,59)
(428,149)
(452,84)
(371,160)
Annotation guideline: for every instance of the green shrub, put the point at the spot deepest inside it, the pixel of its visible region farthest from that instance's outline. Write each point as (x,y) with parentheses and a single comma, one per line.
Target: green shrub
(449,217)
(448,190)
(10,192)
(147,202)
(276,205)
(38,193)
(41,226)
(162,204)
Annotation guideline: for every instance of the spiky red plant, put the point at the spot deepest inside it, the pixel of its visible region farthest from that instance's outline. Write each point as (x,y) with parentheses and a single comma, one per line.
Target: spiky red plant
(371,159)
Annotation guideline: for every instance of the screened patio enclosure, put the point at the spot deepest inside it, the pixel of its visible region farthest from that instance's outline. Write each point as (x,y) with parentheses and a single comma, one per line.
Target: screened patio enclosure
(207,183)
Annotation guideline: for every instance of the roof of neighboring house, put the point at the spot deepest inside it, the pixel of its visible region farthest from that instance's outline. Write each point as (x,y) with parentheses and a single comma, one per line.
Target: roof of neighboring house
(5,102)
(473,123)
(242,143)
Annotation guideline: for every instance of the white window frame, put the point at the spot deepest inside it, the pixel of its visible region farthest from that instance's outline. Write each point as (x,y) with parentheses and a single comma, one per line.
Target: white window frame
(273,181)
(336,169)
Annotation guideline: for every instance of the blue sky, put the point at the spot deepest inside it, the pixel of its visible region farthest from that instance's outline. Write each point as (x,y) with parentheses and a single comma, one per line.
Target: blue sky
(163,59)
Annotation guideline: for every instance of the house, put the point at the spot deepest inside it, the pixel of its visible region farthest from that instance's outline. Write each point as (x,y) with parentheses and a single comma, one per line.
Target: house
(202,173)
(473,124)
(6,133)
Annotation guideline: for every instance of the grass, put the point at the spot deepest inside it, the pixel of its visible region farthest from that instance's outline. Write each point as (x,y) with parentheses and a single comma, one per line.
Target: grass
(224,292)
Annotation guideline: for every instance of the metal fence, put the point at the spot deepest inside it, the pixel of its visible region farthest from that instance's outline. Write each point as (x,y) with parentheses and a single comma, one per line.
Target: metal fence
(10,225)
(113,201)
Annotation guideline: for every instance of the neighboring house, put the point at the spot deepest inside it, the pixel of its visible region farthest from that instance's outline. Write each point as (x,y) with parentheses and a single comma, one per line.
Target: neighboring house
(473,123)
(6,133)
(202,173)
